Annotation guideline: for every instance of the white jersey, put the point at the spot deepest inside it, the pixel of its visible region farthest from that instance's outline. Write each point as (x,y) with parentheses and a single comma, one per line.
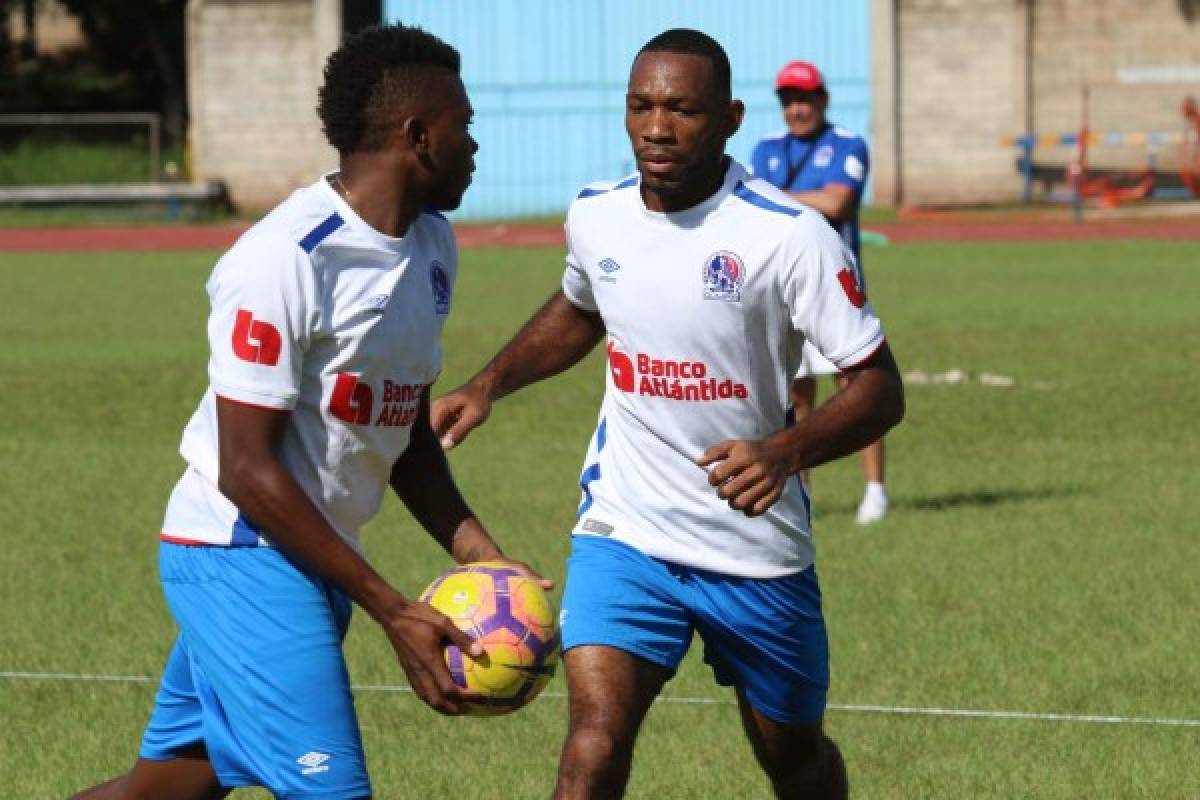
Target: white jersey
(317,313)
(707,312)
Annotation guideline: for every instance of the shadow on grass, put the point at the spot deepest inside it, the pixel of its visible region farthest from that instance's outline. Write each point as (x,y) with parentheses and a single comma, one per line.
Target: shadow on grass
(980,498)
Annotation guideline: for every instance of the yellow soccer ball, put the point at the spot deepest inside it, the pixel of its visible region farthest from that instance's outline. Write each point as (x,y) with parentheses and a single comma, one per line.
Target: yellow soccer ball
(513,618)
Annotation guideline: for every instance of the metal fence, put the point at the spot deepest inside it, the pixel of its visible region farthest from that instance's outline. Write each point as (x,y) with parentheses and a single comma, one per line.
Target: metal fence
(14,127)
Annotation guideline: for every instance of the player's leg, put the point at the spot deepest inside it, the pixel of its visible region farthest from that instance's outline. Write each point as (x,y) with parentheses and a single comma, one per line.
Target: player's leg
(804,397)
(624,633)
(610,692)
(766,637)
(261,635)
(874,504)
(173,761)
(800,760)
(189,776)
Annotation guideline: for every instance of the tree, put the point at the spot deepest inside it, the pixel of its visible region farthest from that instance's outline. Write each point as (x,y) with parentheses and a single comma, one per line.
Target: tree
(144,41)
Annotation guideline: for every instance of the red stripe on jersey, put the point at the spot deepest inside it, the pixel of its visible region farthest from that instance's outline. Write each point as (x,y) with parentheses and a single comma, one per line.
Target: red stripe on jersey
(865,358)
(166,537)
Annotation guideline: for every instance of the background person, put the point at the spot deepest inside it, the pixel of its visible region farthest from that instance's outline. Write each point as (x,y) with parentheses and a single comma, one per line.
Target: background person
(825,167)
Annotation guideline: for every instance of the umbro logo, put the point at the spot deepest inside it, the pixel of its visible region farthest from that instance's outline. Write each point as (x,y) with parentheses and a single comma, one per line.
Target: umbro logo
(313,763)
(609,266)
(376,304)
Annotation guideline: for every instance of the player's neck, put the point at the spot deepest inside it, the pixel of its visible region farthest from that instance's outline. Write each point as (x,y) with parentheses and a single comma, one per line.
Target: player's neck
(378,193)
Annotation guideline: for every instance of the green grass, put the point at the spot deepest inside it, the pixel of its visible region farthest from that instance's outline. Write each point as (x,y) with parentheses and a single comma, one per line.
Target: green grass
(41,160)
(1041,555)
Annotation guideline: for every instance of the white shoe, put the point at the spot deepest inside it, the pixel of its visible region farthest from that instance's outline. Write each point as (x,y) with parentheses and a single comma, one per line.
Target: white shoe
(873,507)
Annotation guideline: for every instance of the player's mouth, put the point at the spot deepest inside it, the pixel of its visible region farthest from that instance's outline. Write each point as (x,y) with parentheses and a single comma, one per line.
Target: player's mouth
(659,164)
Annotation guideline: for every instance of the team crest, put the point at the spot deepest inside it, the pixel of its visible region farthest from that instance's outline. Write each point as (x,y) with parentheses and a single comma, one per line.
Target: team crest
(440,283)
(823,156)
(723,277)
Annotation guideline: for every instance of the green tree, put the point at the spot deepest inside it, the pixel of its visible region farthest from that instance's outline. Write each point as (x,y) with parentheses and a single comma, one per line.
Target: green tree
(142,41)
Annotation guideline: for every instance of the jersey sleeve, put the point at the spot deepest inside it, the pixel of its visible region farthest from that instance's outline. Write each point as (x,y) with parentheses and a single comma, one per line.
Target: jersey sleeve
(264,313)
(851,165)
(576,284)
(826,304)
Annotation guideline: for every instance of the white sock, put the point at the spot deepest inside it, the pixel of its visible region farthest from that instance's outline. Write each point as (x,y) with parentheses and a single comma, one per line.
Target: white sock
(875,491)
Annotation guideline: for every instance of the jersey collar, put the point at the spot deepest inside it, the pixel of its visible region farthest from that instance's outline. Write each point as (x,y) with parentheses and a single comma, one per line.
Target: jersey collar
(734,172)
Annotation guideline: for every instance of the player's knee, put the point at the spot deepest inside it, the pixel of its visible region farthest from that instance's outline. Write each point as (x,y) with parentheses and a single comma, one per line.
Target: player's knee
(595,749)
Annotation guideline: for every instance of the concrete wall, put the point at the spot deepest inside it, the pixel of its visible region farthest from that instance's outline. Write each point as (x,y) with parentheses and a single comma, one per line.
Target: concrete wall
(253,71)
(1138,60)
(951,77)
(957,83)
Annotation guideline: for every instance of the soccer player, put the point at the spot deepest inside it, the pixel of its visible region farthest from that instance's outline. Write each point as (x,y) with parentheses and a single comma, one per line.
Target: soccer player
(825,167)
(324,338)
(705,283)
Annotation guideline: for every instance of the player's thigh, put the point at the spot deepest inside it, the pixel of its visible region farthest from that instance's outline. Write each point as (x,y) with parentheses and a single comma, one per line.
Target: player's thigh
(611,690)
(189,776)
(263,639)
(618,597)
(778,745)
(767,638)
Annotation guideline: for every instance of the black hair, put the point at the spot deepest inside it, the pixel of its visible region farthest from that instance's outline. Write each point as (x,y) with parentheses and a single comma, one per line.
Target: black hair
(371,76)
(695,43)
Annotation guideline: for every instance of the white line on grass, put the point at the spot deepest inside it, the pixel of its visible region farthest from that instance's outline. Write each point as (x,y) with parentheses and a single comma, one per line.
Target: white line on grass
(1107,719)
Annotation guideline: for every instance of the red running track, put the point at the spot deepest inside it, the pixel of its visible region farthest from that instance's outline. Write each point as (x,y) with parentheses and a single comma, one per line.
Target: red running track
(220,237)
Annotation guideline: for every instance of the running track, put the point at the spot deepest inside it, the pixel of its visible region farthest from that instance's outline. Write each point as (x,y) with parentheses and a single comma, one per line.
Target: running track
(220,237)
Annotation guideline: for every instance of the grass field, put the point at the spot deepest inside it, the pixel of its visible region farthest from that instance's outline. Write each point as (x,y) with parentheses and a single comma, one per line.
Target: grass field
(1042,554)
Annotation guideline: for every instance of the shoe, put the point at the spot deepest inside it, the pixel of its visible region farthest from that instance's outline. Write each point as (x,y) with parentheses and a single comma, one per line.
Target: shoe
(873,508)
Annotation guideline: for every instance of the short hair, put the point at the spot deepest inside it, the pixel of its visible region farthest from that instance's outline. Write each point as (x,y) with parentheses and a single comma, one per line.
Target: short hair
(694,43)
(374,74)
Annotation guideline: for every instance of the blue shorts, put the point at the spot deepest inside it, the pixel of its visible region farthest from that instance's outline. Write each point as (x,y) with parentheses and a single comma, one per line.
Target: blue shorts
(257,674)
(766,637)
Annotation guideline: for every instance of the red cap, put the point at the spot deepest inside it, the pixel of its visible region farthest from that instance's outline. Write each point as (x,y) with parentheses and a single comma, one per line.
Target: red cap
(799,75)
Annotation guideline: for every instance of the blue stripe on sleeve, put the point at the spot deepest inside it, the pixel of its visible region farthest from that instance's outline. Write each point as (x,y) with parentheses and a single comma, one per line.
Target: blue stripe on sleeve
(744,192)
(321,232)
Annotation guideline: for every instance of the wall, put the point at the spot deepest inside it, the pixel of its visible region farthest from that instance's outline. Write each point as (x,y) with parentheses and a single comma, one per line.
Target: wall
(253,71)
(952,77)
(548,79)
(1138,60)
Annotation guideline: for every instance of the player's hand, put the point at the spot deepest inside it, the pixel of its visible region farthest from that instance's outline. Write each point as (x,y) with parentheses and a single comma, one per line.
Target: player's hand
(527,571)
(455,415)
(418,633)
(750,474)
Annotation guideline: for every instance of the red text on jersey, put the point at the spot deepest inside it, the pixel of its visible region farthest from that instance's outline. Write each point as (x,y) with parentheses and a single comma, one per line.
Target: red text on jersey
(353,401)
(670,379)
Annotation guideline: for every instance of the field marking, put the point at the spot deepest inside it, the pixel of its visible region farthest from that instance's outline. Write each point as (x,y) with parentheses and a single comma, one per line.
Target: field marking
(1038,716)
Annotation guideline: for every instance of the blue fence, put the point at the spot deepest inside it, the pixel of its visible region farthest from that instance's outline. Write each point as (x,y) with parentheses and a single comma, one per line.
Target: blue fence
(547,79)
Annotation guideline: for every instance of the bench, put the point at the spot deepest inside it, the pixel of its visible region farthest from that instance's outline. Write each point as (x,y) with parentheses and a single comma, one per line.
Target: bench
(211,194)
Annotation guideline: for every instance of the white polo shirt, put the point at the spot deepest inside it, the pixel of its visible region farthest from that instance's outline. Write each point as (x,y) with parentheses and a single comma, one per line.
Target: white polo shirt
(317,313)
(707,312)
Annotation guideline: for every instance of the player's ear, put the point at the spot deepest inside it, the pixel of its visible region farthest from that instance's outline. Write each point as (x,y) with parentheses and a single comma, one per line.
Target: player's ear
(734,115)
(415,134)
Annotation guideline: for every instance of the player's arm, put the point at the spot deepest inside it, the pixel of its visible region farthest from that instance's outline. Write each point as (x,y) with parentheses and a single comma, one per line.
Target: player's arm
(838,199)
(835,201)
(557,337)
(254,479)
(751,474)
(422,480)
